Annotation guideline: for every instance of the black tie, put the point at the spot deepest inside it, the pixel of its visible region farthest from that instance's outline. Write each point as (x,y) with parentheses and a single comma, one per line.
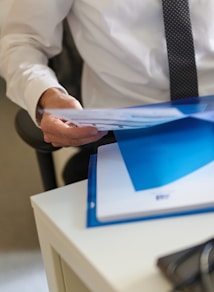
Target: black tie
(180,47)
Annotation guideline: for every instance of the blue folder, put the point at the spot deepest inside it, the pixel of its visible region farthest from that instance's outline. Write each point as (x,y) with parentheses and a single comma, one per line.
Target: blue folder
(161,154)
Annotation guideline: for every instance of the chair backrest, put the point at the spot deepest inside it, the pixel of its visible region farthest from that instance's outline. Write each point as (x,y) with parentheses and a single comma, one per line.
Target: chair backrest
(68,64)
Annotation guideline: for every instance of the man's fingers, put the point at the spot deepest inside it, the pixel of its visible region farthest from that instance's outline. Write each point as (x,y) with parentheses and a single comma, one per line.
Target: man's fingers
(61,134)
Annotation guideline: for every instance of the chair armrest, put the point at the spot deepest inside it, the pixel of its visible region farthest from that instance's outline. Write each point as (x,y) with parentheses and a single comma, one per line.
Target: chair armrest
(33,136)
(30,133)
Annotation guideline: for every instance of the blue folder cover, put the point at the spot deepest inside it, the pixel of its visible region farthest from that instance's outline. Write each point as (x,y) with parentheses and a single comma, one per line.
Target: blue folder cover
(171,150)
(161,154)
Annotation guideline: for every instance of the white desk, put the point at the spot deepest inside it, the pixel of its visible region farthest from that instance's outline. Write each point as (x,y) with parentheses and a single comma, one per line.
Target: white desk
(106,259)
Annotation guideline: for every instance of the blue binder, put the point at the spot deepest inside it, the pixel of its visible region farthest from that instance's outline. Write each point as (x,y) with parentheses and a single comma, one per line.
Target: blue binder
(162,154)
(93,221)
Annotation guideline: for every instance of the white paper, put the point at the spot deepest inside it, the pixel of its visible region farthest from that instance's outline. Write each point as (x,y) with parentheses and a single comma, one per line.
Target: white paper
(118,119)
(116,198)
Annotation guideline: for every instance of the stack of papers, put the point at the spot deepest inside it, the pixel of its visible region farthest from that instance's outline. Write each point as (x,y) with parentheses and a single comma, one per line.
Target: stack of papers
(138,117)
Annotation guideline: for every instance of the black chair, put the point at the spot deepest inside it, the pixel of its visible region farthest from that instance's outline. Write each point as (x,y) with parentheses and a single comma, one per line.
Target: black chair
(68,68)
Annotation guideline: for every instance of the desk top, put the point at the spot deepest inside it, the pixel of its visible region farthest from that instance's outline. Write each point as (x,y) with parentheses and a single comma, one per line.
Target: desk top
(119,257)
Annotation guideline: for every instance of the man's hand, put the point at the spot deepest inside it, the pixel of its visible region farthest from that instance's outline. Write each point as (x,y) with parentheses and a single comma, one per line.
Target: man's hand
(55,130)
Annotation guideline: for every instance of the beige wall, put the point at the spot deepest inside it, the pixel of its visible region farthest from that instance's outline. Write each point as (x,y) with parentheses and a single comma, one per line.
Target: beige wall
(4,7)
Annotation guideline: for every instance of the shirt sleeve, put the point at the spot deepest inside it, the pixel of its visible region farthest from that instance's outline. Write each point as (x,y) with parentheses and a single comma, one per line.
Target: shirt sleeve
(31,34)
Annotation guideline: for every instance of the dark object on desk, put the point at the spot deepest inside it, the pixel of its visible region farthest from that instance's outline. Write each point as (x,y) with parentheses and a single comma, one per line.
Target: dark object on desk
(191,269)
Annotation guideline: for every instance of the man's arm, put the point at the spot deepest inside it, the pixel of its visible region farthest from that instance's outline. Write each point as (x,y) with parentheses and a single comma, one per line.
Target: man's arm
(31,35)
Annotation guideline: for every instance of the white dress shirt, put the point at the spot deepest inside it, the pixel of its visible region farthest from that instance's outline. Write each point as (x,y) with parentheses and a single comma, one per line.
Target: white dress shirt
(121,41)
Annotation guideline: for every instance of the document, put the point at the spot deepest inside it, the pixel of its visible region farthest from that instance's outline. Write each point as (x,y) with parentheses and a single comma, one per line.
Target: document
(140,116)
(118,119)
(112,197)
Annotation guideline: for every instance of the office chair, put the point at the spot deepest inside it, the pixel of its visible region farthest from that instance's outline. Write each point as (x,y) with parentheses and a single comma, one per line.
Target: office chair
(68,68)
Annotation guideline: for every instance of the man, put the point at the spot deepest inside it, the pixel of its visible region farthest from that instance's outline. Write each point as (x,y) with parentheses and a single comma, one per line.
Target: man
(123,47)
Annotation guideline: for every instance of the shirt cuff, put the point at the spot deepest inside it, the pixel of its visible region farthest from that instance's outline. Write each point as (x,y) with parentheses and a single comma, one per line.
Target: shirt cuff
(34,91)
